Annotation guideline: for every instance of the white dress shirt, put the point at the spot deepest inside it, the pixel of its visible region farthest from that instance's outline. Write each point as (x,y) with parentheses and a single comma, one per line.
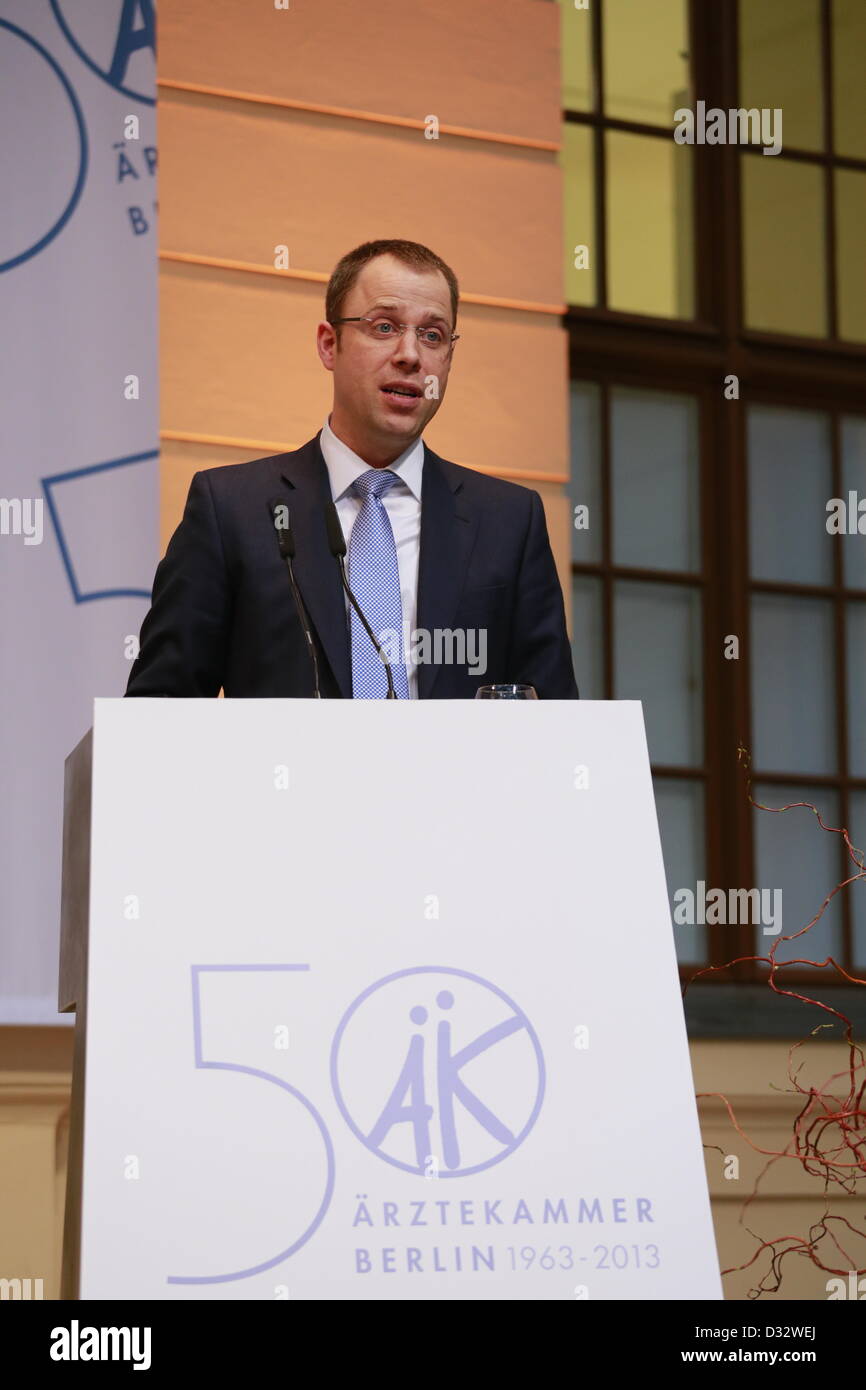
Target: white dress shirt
(402,503)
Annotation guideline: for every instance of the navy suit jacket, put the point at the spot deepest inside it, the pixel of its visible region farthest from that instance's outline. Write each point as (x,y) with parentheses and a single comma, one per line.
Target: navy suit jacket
(222,615)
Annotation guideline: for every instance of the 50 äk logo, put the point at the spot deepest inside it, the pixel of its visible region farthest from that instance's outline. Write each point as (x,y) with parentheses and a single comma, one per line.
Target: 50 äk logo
(435,1070)
(423,1027)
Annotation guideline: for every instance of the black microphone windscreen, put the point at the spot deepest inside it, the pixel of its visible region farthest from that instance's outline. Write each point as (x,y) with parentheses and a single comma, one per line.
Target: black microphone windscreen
(336,539)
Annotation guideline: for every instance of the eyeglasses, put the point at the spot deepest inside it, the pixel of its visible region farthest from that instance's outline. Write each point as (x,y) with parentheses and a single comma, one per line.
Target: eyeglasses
(382,330)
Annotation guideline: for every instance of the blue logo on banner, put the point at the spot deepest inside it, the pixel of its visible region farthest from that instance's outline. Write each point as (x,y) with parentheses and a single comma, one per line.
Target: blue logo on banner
(109,51)
(96,588)
(38,237)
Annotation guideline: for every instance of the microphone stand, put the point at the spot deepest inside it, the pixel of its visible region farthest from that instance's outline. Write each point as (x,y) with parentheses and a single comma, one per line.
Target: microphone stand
(287,550)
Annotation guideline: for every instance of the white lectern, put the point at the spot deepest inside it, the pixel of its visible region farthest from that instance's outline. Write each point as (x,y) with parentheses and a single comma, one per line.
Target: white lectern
(381,1002)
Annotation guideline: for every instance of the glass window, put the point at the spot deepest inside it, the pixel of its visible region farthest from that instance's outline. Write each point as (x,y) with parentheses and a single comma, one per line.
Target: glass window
(857,836)
(793,695)
(646,59)
(780,65)
(784,274)
(855,614)
(850,253)
(575,41)
(790,483)
(577,165)
(795,856)
(586,646)
(657,659)
(655,480)
(853,442)
(585,477)
(649,225)
(849,89)
(680,807)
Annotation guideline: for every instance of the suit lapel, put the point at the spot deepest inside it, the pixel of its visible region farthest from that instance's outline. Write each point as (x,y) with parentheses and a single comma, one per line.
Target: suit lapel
(448,529)
(316,571)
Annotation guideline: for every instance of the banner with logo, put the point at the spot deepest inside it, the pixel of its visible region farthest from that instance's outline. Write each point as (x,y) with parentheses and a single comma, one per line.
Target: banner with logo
(383,1004)
(79,435)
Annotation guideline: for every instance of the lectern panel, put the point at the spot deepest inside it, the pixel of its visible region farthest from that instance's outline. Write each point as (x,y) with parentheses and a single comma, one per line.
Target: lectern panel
(383,1003)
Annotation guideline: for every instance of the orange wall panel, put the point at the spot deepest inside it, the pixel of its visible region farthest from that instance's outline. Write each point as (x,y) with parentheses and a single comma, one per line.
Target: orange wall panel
(487,65)
(236,181)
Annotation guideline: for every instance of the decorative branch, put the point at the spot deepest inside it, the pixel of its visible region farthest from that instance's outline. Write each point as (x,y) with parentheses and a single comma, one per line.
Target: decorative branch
(828,1137)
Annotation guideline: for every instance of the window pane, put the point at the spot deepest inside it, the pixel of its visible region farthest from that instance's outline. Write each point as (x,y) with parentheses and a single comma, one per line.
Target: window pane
(857,836)
(649,226)
(789,485)
(646,60)
(655,480)
(850,221)
(793,854)
(578,198)
(586,645)
(853,437)
(657,659)
(780,65)
(575,39)
(849,89)
(783,246)
(855,614)
(793,706)
(585,474)
(680,807)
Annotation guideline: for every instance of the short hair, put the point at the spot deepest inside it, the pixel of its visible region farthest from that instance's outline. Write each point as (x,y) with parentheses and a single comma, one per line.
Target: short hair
(412,253)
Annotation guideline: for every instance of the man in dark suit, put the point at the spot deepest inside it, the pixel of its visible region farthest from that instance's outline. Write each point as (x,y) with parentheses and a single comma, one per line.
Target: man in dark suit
(453,569)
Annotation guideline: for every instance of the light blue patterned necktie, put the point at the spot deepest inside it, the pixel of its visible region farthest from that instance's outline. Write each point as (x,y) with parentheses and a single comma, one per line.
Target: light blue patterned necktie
(375,581)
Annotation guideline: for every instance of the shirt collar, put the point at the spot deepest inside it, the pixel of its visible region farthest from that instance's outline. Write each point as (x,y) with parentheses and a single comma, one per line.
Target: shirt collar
(344,465)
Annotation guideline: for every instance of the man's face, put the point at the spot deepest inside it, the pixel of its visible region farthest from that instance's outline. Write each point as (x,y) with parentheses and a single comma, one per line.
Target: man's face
(376,424)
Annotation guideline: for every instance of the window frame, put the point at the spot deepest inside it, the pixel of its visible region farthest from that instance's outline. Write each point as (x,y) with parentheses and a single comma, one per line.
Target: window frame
(696,357)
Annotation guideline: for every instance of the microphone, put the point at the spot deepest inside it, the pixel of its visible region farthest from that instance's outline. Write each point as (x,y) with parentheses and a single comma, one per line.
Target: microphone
(277,511)
(337,542)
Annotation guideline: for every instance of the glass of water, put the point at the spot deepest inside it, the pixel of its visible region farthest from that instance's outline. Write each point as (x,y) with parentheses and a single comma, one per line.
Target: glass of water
(506,692)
